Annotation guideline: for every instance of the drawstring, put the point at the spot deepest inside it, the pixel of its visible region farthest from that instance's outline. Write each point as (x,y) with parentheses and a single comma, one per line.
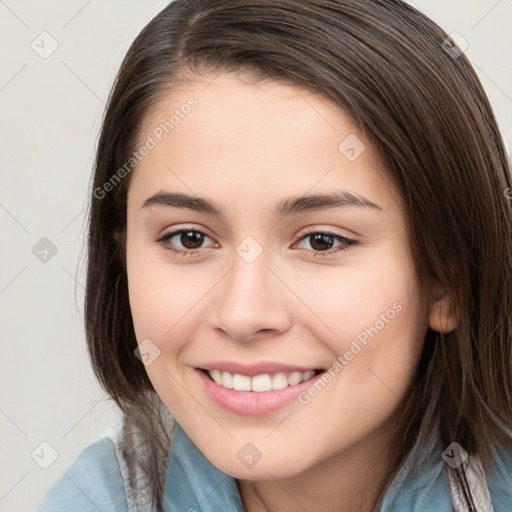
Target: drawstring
(470,486)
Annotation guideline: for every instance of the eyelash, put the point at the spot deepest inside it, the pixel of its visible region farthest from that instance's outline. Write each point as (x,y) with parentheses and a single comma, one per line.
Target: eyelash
(348,243)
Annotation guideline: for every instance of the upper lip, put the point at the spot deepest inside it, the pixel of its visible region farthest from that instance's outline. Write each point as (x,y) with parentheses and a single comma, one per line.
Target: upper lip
(252,369)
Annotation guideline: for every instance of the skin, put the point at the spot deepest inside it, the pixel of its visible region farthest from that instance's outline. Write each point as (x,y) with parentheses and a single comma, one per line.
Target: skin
(246,147)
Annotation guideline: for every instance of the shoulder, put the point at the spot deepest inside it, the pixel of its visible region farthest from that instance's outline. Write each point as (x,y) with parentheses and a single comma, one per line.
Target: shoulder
(92,482)
(500,480)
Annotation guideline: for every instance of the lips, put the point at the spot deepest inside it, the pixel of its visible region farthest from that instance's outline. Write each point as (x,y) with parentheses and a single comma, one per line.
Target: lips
(255,389)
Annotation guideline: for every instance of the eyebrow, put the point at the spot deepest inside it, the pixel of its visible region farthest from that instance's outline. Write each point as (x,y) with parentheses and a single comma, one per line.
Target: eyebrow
(285,207)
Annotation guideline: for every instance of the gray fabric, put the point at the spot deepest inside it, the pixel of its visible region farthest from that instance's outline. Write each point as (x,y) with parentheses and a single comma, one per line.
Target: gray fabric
(132,453)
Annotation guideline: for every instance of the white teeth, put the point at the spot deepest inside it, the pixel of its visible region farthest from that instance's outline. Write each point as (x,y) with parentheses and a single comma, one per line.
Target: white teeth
(241,382)
(216,376)
(227,380)
(279,381)
(308,374)
(259,383)
(294,378)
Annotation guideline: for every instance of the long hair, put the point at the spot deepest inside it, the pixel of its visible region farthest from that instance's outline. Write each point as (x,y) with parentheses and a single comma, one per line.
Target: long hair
(421,105)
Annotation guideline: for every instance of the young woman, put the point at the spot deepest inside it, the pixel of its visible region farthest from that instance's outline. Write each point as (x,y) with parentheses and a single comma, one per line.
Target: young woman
(300,268)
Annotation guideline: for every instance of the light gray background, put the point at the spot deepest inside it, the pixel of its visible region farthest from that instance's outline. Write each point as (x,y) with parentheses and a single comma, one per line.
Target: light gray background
(51,111)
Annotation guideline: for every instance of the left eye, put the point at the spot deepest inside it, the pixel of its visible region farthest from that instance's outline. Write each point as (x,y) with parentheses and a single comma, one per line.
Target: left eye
(320,240)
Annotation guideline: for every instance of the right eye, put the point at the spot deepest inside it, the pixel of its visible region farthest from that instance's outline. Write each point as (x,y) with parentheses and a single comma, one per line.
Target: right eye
(190,239)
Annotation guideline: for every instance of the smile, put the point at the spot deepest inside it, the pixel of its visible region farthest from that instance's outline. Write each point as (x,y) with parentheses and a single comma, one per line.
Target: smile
(258,393)
(259,383)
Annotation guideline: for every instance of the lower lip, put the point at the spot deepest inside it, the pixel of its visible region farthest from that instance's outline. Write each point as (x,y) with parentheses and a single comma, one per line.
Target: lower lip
(253,403)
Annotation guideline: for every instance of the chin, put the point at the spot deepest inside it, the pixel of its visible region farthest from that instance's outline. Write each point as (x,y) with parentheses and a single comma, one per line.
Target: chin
(273,466)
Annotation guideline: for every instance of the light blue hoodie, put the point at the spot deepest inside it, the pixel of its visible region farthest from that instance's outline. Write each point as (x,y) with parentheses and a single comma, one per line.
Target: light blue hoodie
(94,483)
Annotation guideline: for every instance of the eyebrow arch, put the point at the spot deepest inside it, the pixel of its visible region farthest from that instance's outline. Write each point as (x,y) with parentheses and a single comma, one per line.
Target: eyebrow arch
(285,207)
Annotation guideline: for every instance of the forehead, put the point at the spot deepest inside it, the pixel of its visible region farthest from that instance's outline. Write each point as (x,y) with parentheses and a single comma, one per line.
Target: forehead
(227,101)
(226,131)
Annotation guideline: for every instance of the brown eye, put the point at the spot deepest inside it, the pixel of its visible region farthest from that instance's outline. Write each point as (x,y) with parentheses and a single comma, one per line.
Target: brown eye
(183,241)
(191,239)
(321,243)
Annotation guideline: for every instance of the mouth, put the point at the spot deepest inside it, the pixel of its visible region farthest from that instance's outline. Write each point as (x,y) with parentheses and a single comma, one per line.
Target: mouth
(257,394)
(260,383)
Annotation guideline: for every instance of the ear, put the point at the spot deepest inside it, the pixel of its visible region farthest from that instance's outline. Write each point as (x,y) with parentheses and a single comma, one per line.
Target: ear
(442,317)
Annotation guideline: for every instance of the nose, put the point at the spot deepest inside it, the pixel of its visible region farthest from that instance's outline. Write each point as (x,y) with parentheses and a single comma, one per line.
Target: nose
(251,302)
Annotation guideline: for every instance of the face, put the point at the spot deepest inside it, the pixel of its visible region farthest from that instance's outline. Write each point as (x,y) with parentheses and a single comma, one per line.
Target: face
(305,310)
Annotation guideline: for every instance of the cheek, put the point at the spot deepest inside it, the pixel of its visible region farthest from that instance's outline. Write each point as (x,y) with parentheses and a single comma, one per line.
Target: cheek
(161,301)
(161,295)
(373,319)
(350,299)
(378,334)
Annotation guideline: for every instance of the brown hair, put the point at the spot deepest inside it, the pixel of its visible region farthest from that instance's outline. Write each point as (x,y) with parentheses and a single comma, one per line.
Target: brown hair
(424,109)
